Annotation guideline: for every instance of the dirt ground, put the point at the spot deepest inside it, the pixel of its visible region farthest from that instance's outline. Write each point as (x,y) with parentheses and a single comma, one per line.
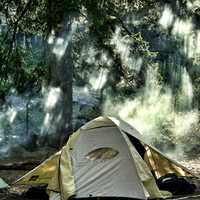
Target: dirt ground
(23,192)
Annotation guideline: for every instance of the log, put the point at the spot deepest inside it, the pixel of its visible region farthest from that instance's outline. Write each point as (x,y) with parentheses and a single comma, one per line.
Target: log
(193,197)
(27,165)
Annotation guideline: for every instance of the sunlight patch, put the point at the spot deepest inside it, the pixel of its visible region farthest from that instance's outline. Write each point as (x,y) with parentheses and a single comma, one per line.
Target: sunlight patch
(122,46)
(11,113)
(47,120)
(46,124)
(53,97)
(184,122)
(61,44)
(198,44)
(186,89)
(133,20)
(166,18)
(152,112)
(51,37)
(182,27)
(97,81)
(191,5)
(90,54)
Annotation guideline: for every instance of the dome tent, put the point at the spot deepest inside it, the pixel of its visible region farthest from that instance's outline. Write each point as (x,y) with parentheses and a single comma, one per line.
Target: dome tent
(104,158)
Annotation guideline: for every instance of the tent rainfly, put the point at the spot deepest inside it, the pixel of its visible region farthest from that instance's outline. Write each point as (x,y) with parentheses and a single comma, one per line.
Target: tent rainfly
(3,184)
(105,158)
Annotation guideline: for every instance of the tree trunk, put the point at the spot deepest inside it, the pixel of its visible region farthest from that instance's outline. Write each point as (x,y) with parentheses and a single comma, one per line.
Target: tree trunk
(61,67)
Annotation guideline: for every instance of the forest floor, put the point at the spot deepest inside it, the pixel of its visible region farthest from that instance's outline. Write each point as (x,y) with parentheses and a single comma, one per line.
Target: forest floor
(24,192)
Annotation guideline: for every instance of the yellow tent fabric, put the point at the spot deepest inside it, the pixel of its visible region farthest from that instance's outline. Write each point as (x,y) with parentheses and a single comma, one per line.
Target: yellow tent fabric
(67,185)
(42,174)
(161,165)
(145,174)
(57,171)
(154,158)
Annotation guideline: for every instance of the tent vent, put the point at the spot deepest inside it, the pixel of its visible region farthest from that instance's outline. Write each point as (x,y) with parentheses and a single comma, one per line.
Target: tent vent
(33,178)
(104,153)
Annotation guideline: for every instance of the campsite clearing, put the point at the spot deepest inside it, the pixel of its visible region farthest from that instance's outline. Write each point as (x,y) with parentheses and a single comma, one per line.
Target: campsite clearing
(105,152)
(18,192)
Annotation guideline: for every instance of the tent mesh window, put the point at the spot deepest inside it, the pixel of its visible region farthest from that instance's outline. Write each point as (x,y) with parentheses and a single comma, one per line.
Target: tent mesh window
(104,153)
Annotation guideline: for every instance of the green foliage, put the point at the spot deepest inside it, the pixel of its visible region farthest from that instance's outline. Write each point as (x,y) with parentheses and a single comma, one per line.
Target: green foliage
(43,17)
(24,69)
(102,18)
(196,88)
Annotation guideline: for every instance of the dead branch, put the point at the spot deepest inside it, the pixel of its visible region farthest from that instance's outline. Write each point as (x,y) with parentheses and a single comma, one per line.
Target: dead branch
(27,165)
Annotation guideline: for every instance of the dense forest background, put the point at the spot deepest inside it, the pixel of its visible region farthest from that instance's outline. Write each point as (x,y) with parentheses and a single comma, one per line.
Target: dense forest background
(65,62)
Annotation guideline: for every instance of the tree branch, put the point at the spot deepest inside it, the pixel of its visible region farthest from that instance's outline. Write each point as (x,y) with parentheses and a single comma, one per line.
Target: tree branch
(26,8)
(121,22)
